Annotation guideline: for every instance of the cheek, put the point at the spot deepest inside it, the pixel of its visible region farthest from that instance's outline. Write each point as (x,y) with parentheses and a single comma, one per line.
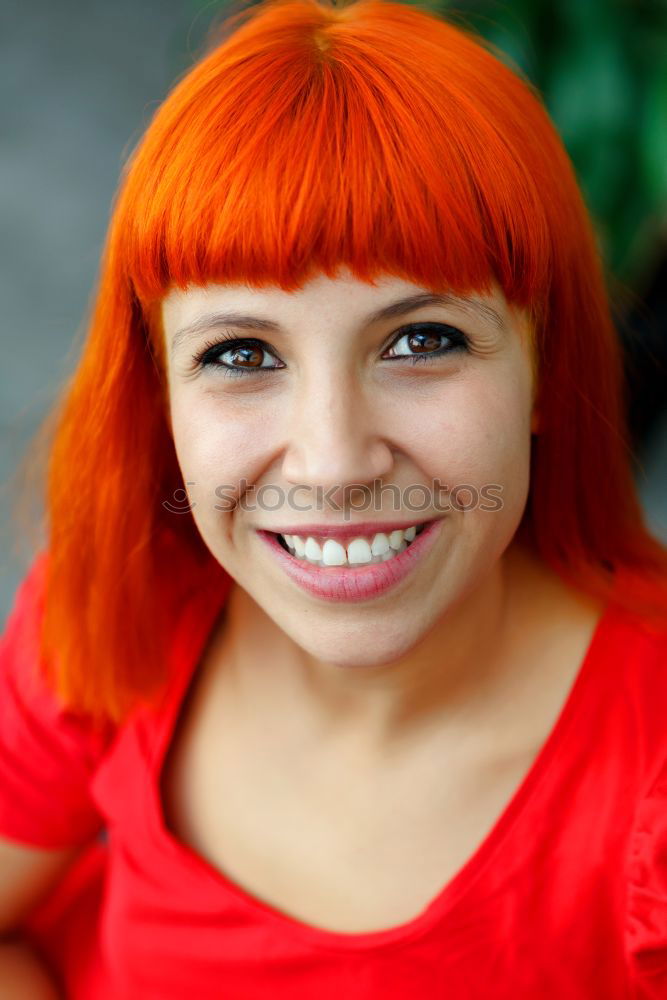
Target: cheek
(216,448)
(478,433)
(478,438)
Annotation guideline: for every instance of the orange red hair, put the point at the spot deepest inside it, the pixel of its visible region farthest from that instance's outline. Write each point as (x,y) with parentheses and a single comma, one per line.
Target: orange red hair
(374,135)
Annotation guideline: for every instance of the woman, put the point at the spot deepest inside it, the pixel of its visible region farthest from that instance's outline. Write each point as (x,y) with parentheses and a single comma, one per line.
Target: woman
(373,706)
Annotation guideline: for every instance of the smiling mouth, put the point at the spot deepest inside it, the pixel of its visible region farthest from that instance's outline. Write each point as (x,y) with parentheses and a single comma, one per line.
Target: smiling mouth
(357,552)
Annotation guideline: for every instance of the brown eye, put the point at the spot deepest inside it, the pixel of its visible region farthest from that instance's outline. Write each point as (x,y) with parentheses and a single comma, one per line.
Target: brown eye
(235,356)
(424,342)
(428,342)
(247,357)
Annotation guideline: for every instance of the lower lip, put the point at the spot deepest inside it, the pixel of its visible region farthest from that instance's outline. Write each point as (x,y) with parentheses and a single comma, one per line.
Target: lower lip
(360,583)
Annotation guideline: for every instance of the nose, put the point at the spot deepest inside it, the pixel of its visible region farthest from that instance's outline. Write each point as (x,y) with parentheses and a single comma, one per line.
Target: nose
(334,439)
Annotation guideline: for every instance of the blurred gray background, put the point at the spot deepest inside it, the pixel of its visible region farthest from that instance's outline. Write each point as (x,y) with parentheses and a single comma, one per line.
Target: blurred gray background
(80,82)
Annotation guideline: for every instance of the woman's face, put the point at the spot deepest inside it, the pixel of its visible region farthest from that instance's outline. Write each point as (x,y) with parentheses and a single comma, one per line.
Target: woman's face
(320,393)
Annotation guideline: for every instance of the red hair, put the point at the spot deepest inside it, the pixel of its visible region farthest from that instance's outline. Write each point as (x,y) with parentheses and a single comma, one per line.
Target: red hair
(374,135)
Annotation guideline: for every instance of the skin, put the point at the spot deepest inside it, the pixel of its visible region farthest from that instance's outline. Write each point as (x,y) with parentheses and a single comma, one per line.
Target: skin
(339,413)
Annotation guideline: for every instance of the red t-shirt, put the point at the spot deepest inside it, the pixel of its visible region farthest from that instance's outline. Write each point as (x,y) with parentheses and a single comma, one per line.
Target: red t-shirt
(565,898)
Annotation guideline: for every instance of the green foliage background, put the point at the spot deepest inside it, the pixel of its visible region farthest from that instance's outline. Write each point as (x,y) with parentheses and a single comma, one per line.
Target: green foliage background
(601,67)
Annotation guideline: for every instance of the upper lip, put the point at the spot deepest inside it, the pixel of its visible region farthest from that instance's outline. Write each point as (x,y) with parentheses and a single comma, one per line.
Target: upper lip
(368,528)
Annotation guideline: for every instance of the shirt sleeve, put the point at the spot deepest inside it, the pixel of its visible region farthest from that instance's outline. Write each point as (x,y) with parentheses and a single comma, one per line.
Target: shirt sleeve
(646,926)
(48,755)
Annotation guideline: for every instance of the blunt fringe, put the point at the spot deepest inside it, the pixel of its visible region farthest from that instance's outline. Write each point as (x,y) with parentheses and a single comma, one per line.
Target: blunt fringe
(375,135)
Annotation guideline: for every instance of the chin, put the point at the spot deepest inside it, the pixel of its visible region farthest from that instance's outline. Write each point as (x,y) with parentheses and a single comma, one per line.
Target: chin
(353,648)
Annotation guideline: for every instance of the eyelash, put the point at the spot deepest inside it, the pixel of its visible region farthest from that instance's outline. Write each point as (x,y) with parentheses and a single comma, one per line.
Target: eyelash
(208,356)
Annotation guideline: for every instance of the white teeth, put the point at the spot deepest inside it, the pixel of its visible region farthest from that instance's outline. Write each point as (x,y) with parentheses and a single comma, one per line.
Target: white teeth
(358,552)
(333,553)
(395,539)
(380,544)
(313,551)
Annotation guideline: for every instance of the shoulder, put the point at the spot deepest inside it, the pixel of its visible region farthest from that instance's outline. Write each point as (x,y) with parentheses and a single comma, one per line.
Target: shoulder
(642,650)
(47,753)
(646,914)
(636,654)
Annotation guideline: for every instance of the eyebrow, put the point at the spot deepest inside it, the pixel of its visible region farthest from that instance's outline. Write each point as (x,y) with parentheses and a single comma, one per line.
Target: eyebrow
(244,321)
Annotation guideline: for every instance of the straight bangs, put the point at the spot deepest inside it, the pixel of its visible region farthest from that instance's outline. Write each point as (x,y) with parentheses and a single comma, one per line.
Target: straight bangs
(314,137)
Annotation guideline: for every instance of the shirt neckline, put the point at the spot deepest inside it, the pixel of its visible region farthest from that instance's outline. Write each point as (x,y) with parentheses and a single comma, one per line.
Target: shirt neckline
(197,625)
